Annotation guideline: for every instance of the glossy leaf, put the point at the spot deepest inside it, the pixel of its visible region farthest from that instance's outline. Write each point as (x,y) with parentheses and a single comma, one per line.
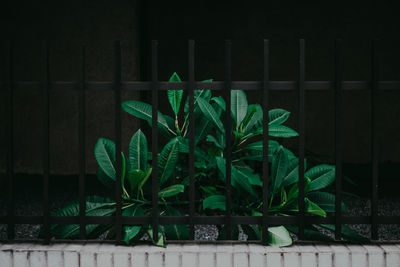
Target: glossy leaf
(175,231)
(210,113)
(253,118)
(205,94)
(171,191)
(167,160)
(279,167)
(278,116)
(129,232)
(137,157)
(134,178)
(143,111)
(278,236)
(220,102)
(238,106)
(238,179)
(313,208)
(281,131)
(321,176)
(325,200)
(175,96)
(159,241)
(214,202)
(104,152)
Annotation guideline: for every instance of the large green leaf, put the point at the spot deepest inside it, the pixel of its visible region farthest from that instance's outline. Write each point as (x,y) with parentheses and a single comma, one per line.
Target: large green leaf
(325,200)
(137,158)
(143,111)
(313,208)
(104,152)
(220,101)
(210,113)
(294,190)
(205,94)
(277,116)
(129,232)
(175,231)
(204,125)
(238,179)
(252,177)
(167,160)
(292,175)
(214,202)
(171,191)
(253,118)
(238,106)
(258,146)
(321,176)
(279,168)
(281,131)
(134,178)
(278,236)
(159,241)
(175,96)
(95,206)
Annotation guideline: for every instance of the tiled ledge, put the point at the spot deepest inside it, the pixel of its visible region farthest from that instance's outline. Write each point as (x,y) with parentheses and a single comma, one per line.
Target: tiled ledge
(198,255)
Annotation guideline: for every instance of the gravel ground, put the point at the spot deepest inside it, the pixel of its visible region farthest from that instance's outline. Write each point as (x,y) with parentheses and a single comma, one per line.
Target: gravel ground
(29,203)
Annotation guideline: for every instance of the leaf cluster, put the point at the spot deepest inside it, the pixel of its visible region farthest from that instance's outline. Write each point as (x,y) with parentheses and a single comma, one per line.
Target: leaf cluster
(210,172)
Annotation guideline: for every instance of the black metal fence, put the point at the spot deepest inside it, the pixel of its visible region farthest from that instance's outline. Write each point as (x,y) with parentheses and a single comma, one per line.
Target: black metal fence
(264,87)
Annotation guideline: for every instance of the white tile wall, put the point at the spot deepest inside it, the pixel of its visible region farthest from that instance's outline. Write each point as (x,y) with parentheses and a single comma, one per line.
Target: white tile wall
(198,255)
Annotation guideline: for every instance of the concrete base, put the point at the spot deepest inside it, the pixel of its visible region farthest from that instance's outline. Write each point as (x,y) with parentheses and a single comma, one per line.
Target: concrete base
(198,255)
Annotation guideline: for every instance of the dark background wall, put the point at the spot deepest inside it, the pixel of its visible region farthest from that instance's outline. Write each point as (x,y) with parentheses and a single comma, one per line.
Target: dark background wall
(67,25)
(97,23)
(284,22)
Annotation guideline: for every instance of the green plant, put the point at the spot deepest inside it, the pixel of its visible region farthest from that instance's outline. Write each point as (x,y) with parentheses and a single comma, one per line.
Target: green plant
(210,143)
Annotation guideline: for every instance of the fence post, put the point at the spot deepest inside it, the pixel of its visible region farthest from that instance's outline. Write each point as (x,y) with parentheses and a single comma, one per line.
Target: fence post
(82,145)
(46,142)
(154,137)
(191,136)
(301,136)
(338,141)
(374,140)
(228,126)
(265,143)
(10,137)
(118,178)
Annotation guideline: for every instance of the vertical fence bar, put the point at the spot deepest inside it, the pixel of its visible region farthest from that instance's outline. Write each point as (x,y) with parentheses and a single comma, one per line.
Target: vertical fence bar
(46,142)
(154,135)
(10,137)
(82,145)
(265,142)
(338,140)
(191,136)
(374,140)
(228,126)
(118,178)
(301,135)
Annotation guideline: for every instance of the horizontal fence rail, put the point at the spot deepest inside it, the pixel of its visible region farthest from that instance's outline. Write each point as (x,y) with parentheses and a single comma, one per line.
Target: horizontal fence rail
(83,87)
